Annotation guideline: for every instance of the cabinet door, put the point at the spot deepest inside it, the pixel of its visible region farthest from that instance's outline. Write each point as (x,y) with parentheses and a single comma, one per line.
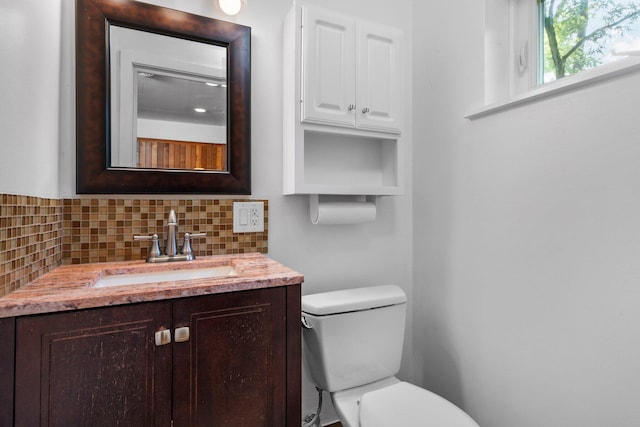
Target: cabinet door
(232,369)
(378,78)
(96,367)
(328,68)
(7,369)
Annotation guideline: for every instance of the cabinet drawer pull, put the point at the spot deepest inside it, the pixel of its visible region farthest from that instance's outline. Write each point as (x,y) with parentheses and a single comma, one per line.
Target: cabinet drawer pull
(365,110)
(182,334)
(351,107)
(163,337)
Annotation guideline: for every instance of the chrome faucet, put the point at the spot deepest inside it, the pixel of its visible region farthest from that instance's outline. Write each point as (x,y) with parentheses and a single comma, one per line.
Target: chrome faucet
(171,252)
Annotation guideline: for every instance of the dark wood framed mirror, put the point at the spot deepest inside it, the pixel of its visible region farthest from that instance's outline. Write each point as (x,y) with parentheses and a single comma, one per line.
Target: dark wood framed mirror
(96,170)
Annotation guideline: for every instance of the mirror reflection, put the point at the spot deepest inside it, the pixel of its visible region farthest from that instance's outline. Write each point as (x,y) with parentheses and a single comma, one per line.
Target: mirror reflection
(169,102)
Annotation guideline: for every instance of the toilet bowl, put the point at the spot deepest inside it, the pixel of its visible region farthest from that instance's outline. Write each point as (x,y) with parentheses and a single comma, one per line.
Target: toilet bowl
(353,345)
(405,404)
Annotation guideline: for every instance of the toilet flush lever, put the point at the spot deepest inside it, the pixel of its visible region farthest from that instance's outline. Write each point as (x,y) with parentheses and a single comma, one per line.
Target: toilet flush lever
(305,323)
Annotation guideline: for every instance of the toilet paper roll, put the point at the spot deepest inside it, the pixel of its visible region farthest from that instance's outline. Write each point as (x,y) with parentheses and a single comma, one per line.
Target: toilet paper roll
(342,212)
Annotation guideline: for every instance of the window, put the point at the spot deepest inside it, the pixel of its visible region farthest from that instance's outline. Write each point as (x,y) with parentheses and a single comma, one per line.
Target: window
(534,48)
(577,35)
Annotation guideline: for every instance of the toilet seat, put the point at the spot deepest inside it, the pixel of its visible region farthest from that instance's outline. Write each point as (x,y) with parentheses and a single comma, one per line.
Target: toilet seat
(404,404)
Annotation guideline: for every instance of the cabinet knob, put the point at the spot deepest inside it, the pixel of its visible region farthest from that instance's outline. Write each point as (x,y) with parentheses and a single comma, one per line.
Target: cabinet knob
(182,334)
(163,337)
(365,110)
(351,107)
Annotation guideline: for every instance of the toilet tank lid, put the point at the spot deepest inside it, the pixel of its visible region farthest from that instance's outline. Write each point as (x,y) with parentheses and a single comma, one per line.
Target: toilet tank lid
(356,299)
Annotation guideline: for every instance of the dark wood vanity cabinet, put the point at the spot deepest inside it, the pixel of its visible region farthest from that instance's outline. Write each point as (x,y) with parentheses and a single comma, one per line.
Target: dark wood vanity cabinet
(233,360)
(93,367)
(232,371)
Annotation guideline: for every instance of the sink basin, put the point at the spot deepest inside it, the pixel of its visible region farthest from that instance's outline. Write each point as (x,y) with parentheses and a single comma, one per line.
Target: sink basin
(165,276)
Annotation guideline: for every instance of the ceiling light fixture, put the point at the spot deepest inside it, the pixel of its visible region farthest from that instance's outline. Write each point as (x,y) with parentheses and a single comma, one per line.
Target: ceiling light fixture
(199,110)
(230,7)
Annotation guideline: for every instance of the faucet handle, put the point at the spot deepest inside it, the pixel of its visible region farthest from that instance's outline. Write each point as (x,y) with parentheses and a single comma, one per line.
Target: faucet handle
(186,245)
(154,250)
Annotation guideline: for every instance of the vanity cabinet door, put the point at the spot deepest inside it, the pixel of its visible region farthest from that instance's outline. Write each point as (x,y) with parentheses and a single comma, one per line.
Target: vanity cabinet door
(7,358)
(98,367)
(231,368)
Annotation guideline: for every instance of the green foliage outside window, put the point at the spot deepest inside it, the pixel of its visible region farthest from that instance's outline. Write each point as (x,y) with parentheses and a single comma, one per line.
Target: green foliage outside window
(577,33)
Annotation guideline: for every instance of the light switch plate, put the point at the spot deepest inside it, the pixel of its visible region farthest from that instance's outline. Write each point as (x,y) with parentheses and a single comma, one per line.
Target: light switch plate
(248,217)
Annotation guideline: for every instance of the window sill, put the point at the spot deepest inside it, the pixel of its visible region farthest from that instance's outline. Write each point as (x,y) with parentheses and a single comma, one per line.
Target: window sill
(567,84)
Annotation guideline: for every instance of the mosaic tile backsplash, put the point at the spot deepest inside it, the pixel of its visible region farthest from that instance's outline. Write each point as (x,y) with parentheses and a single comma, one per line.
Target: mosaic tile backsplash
(36,234)
(99,230)
(30,239)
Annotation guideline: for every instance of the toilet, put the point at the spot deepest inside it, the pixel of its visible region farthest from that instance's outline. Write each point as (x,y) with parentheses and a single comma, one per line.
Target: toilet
(353,346)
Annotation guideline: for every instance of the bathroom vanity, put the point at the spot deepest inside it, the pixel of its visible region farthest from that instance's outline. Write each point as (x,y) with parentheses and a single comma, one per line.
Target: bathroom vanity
(208,351)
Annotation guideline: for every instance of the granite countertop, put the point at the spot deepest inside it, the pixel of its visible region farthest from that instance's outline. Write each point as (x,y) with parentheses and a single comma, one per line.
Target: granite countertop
(70,287)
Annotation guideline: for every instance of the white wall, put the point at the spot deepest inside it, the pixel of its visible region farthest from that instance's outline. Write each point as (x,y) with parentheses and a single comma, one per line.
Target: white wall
(181,131)
(30,33)
(526,252)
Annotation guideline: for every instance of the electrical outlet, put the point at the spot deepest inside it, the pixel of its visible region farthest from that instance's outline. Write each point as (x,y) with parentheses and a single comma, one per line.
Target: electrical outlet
(248,217)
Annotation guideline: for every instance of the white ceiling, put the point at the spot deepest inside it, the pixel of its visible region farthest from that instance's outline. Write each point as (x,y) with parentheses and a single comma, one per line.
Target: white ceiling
(169,98)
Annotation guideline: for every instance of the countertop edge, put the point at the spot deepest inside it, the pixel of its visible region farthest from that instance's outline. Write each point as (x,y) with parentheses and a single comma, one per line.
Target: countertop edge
(61,291)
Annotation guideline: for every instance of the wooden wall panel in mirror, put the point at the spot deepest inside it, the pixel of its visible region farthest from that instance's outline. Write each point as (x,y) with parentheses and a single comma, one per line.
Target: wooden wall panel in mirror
(163,101)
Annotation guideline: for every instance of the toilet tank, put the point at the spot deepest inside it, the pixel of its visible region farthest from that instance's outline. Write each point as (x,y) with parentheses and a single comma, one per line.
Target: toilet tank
(353,337)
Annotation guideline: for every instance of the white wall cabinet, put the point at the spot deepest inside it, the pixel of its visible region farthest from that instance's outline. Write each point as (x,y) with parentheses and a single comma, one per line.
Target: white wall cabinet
(329,68)
(350,72)
(342,104)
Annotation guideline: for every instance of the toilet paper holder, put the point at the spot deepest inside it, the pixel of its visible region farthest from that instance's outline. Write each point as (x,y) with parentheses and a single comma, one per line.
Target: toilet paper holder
(341,209)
